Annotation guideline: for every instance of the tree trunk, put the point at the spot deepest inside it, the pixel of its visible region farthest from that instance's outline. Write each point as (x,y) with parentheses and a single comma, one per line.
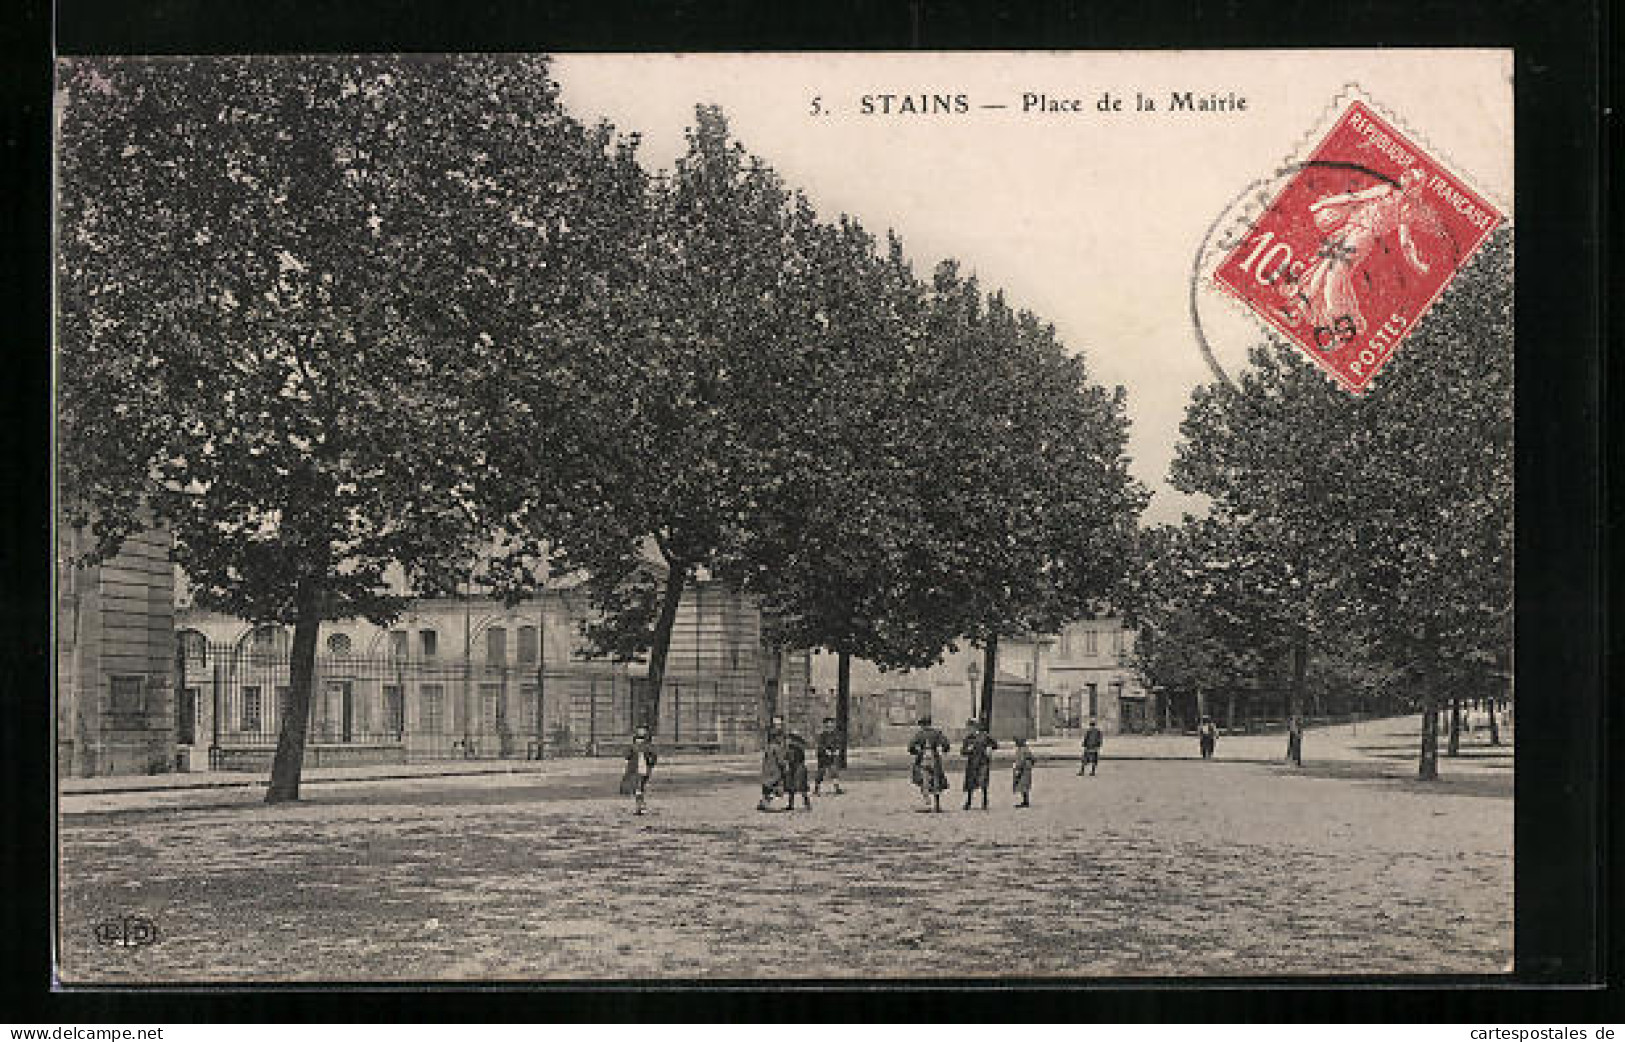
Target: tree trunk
(1454,748)
(1495,725)
(1201,706)
(843,699)
(990,662)
(676,578)
(1300,671)
(1230,711)
(1428,768)
(289,762)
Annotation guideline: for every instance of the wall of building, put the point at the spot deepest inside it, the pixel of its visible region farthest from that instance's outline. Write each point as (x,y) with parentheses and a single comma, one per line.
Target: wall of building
(472,678)
(1092,654)
(115,710)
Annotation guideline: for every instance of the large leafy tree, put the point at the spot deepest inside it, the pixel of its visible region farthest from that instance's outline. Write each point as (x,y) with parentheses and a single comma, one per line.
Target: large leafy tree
(293,297)
(1387,516)
(675,396)
(1024,487)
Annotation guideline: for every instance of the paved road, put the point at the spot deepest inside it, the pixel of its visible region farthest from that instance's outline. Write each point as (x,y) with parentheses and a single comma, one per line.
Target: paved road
(1156,867)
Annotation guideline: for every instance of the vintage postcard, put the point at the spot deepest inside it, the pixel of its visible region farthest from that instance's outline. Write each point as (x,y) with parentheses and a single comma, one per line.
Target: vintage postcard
(838,516)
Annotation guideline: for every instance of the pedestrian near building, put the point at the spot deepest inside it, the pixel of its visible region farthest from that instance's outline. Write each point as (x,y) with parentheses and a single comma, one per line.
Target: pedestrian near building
(1294,740)
(640,763)
(775,756)
(1207,737)
(977,749)
(829,758)
(1022,773)
(795,771)
(927,747)
(1093,739)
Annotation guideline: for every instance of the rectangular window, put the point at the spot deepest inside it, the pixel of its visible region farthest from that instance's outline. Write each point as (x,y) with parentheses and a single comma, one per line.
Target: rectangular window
(432,709)
(496,646)
(397,643)
(904,707)
(428,643)
(250,719)
(1066,644)
(129,695)
(394,710)
(529,646)
(1091,642)
(1094,701)
(527,699)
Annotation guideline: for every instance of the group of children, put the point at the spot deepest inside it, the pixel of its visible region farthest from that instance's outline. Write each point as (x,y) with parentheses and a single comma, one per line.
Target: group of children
(784,764)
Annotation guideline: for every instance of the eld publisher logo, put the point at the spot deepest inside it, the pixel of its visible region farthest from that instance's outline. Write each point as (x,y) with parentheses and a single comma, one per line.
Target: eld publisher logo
(129,931)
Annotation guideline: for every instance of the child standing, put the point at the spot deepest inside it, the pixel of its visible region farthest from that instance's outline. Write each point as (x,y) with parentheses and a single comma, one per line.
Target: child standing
(829,757)
(1023,777)
(1093,739)
(640,763)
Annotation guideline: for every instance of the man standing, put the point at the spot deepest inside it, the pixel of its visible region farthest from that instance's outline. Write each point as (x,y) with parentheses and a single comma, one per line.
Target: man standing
(927,747)
(1207,737)
(1294,740)
(829,757)
(977,749)
(1093,739)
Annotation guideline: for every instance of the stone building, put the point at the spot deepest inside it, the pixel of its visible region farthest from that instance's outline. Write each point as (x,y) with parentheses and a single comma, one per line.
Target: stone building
(1085,672)
(115,655)
(471,678)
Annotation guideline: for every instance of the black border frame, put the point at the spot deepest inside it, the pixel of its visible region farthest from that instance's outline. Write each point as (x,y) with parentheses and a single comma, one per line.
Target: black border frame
(1562,838)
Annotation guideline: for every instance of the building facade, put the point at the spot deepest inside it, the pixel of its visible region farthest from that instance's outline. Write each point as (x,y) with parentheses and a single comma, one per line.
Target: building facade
(115,641)
(470,678)
(1085,672)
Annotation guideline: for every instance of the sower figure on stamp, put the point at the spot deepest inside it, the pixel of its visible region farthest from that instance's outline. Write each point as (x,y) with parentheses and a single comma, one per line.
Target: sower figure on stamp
(795,770)
(1022,773)
(829,758)
(1093,739)
(775,754)
(927,747)
(1207,737)
(1294,740)
(977,749)
(640,763)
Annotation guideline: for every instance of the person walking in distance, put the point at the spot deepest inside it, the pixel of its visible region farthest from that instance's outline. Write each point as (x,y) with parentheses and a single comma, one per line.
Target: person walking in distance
(829,758)
(977,749)
(1207,737)
(1294,740)
(927,747)
(775,754)
(640,763)
(795,770)
(1022,773)
(1093,739)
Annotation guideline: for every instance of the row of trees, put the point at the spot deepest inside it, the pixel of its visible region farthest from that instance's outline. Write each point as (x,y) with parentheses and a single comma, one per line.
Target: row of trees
(323,319)
(1368,536)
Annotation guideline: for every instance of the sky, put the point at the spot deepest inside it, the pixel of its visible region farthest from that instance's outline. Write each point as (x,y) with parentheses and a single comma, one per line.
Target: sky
(1090,218)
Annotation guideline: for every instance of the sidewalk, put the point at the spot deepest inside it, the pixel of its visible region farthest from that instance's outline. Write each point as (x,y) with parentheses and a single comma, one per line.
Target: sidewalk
(1393,741)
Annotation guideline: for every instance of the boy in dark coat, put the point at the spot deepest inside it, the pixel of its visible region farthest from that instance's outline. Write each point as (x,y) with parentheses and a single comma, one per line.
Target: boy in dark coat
(829,757)
(795,770)
(1022,780)
(640,763)
(1093,739)
(927,747)
(775,756)
(977,749)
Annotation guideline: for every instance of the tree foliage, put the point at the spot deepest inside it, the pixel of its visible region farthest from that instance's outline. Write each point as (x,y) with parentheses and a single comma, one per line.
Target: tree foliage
(297,298)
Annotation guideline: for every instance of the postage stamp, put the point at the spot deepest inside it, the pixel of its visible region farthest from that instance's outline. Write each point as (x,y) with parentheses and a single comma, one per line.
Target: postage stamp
(1356,246)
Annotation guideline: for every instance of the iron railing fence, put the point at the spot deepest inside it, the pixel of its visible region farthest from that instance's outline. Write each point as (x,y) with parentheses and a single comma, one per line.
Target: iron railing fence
(386,708)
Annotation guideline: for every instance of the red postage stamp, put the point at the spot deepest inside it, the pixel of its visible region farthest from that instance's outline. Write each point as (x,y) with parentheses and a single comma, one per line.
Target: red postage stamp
(1357,246)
